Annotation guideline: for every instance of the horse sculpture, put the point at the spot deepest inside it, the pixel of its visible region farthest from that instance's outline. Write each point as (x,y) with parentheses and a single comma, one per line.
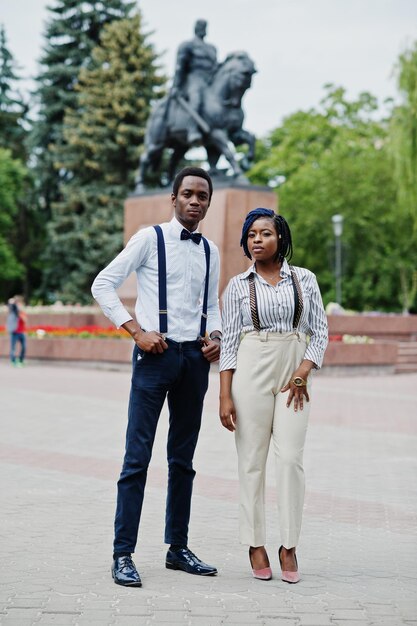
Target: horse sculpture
(220,122)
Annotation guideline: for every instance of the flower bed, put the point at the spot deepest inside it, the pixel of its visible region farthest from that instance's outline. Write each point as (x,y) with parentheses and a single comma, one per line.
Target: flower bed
(351,338)
(82,332)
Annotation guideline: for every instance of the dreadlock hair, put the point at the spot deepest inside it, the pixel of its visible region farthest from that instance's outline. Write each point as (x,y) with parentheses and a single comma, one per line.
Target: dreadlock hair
(191,171)
(283,231)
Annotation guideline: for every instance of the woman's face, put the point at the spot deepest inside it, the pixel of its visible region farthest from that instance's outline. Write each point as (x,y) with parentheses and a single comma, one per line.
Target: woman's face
(263,240)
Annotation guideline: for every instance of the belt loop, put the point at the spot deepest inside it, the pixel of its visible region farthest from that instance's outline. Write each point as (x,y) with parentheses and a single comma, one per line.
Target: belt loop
(263,336)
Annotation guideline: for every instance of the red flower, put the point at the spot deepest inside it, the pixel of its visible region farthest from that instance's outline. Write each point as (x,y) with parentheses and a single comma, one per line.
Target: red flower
(335,337)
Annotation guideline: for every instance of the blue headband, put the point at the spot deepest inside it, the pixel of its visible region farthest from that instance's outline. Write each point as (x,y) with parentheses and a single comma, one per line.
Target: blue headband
(250,218)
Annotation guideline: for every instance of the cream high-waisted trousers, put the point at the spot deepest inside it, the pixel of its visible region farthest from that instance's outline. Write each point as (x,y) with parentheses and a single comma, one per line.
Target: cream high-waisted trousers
(265,364)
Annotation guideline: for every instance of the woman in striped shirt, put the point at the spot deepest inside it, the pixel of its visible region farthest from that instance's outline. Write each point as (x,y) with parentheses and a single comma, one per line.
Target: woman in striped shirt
(274,333)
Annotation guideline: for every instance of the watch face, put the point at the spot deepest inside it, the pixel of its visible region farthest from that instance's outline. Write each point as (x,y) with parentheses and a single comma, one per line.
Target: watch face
(298,381)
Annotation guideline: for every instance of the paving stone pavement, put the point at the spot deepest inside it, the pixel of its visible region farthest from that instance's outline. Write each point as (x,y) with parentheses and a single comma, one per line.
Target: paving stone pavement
(61,444)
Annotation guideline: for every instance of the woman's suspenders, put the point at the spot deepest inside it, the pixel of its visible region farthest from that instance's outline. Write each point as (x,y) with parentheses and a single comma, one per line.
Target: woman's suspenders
(298,301)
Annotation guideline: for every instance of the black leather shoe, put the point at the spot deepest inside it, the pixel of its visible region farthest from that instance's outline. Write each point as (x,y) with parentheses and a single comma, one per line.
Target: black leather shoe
(186,561)
(124,572)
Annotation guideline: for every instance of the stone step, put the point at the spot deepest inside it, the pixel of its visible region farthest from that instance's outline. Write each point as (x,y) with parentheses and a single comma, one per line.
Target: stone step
(406,357)
(407,348)
(405,368)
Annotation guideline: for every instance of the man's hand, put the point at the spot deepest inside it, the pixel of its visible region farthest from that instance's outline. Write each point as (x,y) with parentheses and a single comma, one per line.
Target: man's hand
(148,342)
(211,349)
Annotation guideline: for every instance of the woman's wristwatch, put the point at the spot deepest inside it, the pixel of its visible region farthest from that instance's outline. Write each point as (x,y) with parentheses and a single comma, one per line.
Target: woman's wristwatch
(299,382)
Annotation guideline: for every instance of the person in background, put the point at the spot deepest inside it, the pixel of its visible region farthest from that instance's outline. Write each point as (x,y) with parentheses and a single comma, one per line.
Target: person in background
(274,334)
(176,333)
(16,327)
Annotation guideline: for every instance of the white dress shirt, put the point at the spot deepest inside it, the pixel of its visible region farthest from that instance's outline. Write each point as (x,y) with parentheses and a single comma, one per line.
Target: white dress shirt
(275,311)
(186,271)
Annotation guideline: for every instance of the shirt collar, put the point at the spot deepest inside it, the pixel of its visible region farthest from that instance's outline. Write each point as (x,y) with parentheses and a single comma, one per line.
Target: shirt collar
(285,270)
(177,227)
(249,271)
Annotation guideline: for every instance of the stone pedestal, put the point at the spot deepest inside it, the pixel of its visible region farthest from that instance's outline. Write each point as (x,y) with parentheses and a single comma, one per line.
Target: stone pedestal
(222,224)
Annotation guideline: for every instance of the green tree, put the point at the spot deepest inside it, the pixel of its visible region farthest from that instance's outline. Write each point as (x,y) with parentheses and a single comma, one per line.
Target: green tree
(13,109)
(103,133)
(19,212)
(12,178)
(71,34)
(337,160)
(404,148)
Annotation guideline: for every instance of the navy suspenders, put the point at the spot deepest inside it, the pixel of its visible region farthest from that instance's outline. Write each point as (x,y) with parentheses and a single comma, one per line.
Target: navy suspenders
(206,286)
(162,284)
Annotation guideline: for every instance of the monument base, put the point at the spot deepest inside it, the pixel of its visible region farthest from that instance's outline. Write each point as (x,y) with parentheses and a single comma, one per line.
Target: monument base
(222,224)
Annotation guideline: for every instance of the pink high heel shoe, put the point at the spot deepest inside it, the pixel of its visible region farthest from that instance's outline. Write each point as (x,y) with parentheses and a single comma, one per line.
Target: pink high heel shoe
(262,574)
(286,576)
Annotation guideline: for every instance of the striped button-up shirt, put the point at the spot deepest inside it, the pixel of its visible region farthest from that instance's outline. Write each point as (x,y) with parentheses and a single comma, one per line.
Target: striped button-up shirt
(275,311)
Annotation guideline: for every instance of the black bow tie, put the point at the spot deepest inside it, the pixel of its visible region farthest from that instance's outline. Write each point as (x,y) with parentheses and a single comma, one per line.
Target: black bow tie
(196,237)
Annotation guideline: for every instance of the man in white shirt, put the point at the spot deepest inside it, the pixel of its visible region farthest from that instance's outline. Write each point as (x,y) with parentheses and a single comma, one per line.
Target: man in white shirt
(176,339)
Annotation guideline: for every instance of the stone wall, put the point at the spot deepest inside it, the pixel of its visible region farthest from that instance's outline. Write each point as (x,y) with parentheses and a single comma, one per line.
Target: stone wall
(120,351)
(380,327)
(389,334)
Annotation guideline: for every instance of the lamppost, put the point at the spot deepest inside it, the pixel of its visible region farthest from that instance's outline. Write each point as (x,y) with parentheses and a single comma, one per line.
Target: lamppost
(337,221)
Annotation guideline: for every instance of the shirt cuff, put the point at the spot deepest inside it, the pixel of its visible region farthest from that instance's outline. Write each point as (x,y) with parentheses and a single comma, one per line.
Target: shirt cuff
(120,318)
(227,362)
(214,324)
(313,356)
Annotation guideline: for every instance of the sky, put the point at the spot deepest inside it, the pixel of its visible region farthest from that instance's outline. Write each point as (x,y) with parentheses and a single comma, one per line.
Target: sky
(297,45)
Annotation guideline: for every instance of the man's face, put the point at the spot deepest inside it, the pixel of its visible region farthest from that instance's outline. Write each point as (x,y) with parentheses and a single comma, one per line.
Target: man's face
(192,202)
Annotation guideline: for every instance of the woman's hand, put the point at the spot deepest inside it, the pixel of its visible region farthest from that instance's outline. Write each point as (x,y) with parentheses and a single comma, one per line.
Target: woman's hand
(227,413)
(298,392)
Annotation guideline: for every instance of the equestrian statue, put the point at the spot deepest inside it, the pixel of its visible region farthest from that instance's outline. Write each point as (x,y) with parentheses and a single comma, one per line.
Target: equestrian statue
(203,108)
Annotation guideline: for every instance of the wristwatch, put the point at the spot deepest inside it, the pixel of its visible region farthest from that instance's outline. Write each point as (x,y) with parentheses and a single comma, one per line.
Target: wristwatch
(299,382)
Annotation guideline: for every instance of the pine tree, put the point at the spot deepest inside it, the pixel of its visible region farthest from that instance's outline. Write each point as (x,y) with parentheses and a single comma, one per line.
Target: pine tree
(20,228)
(12,107)
(103,133)
(12,175)
(71,34)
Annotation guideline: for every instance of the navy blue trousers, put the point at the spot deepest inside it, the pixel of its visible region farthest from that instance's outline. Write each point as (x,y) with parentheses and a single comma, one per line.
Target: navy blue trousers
(180,374)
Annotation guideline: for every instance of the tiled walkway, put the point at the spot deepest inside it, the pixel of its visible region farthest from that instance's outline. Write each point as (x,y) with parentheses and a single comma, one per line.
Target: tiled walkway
(61,445)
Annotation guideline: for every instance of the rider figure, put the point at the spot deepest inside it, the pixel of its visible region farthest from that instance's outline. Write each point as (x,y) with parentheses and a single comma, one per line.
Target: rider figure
(196,65)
